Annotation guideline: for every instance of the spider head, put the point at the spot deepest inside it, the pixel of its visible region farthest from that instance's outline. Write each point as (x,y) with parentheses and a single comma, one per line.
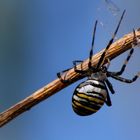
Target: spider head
(99,74)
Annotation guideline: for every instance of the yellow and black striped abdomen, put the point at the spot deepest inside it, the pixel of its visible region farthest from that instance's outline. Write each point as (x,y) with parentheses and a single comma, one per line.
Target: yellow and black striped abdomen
(89,97)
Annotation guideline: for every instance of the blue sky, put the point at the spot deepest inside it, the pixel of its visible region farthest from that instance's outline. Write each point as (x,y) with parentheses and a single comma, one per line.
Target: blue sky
(39,39)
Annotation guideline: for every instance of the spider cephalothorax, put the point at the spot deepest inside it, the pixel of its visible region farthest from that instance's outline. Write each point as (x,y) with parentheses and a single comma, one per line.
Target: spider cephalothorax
(90,95)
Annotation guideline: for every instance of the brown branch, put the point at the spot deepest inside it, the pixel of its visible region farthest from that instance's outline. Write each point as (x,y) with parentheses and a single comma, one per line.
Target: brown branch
(115,50)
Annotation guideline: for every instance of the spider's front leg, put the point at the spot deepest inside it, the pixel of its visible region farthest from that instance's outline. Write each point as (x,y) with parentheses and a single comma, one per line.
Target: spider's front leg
(75,67)
(59,75)
(64,78)
(108,100)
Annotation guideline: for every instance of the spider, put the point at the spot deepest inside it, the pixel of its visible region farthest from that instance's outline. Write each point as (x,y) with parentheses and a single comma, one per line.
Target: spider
(90,95)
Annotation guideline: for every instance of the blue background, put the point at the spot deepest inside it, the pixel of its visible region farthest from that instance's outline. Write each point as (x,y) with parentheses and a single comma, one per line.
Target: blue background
(39,39)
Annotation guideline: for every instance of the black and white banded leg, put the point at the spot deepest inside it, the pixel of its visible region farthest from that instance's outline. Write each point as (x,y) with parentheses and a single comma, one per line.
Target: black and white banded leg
(75,63)
(101,60)
(81,71)
(124,64)
(59,75)
(128,57)
(92,45)
(126,80)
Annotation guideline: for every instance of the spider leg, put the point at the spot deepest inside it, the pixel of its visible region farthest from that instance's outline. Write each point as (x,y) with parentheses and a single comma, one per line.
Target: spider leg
(80,61)
(135,42)
(75,67)
(92,45)
(109,86)
(59,75)
(126,80)
(108,100)
(124,64)
(101,60)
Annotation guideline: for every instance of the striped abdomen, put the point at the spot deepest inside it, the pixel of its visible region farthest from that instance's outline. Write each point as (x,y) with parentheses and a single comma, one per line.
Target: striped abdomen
(89,97)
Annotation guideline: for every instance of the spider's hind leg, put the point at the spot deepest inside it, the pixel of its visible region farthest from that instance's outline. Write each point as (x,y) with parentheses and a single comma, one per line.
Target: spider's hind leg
(108,100)
(109,86)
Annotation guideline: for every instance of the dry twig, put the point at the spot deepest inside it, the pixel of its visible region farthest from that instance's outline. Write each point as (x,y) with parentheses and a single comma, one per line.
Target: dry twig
(115,50)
